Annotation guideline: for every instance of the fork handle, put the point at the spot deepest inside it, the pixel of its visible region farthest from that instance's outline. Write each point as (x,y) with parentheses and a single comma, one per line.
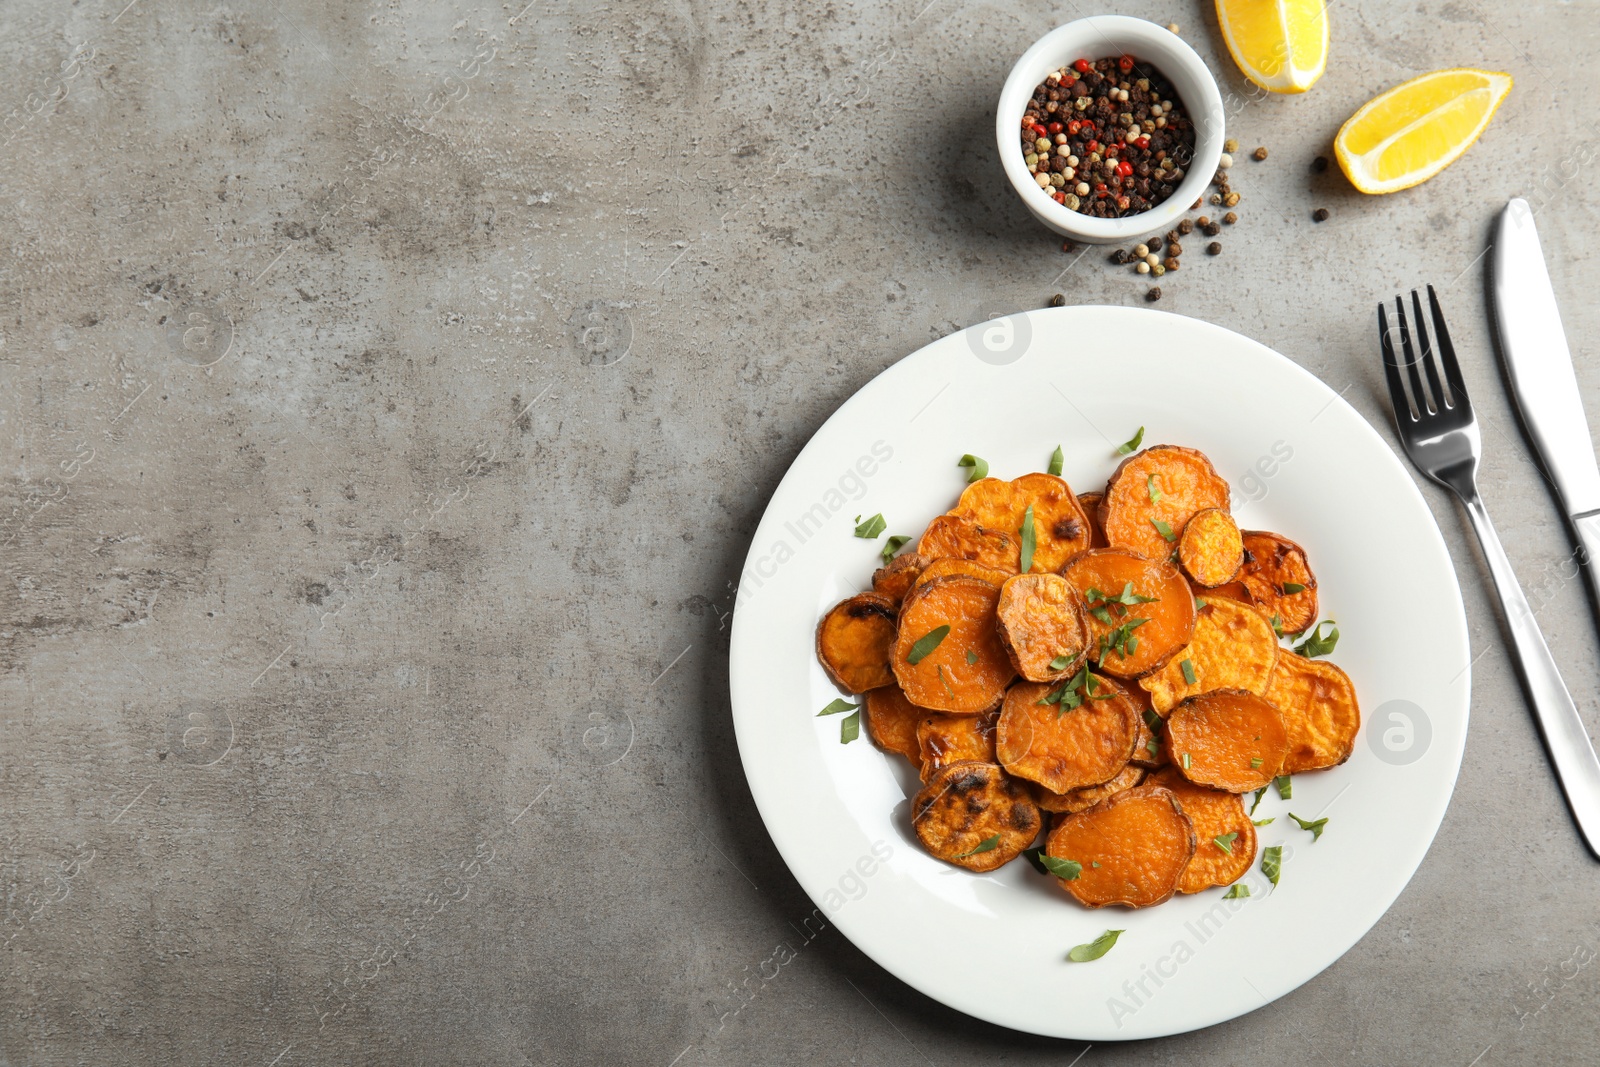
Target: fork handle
(1565,737)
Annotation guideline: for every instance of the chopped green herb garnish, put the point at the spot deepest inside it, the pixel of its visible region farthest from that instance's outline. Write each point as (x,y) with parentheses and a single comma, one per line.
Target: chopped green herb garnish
(895,543)
(1164,529)
(1056,461)
(1120,640)
(1096,948)
(1317,644)
(1291,588)
(1225,841)
(1095,864)
(926,644)
(1152,489)
(1277,625)
(1065,696)
(1030,539)
(1316,827)
(980,467)
(1066,870)
(872,527)
(1153,746)
(1255,761)
(1236,890)
(836,707)
(1032,856)
(1186,761)
(1265,822)
(1061,662)
(972,657)
(1188,673)
(850,727)
(1152,720)
(939,669)
(1285,787)
(988,844)
(1131,443)
(1257,804)
(1272,862)
(1127,597)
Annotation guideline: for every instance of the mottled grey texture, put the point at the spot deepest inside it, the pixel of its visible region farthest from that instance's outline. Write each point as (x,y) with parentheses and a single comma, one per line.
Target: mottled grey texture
(335,722)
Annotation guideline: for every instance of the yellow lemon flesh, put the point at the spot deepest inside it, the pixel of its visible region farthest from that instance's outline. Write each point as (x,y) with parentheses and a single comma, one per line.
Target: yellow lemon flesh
(1281,45)
(1418,128)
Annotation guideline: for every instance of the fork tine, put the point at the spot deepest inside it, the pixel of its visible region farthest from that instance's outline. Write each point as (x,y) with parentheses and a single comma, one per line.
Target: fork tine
(1391,372)
(1447,353)
(1423,342)
(1423,410)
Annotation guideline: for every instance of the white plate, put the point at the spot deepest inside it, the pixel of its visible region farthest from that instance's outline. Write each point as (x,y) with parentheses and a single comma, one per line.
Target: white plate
(1302,462)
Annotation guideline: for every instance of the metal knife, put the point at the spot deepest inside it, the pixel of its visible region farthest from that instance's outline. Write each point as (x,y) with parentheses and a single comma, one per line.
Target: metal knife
(1545,389)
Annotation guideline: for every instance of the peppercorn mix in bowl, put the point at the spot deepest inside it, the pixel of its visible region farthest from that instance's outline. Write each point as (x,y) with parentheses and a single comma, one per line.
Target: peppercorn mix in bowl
(1109,127)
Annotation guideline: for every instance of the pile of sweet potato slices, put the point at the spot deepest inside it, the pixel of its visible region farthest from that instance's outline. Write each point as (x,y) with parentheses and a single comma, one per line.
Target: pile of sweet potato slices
(1129,681)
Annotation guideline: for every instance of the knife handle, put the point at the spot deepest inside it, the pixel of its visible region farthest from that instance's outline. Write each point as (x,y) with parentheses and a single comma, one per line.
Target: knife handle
(1565,736)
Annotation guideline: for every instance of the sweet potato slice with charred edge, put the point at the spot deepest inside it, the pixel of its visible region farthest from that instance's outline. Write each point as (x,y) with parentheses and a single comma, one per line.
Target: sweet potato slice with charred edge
(1118,642)
(1164,484)
(854,641)
(1090,503)
(1233,648)
(1040,617)
(1215,814)
(1133,847)
(952,537)
(945,739)
(943,568)
(1064,747)
(895,579)
(892,722)
(1228,591)
(967,670)
(1061,529)
(972,815)
(1210,548)
(1320,713)
(1231,740)
(1274,567)
(1089,796)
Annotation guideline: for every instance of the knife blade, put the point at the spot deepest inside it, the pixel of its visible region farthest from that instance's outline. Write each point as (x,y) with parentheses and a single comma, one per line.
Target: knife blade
(1539,364)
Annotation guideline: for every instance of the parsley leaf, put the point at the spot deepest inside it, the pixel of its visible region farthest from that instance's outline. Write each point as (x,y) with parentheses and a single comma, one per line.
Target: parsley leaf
(988,844)
(1272,862)
(1066,870)
(1291,588)
(926,644)
(872,527)
(1316,644)
(850,727)
(1056,462)
(836,707)
(1096,948)
(1285,787)
(896,543)
(1235,891)
(1164,529)
(1030,539)
(1151,489)
(1225,842)
(1316,827)
(1131,443)
(1188,673)
(1061,662)
(980,467)
(1121,640)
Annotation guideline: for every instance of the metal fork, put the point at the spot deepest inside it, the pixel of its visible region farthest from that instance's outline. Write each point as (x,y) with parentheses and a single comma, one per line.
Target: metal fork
(1440,434)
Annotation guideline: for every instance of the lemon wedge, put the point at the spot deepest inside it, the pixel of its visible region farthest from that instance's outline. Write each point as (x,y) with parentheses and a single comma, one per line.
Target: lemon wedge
(1418,128)
(1281,45)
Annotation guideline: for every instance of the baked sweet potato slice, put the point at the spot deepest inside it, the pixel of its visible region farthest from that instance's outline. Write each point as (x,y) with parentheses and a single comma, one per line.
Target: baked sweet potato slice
(945,739)
(1279,579)
(974,816)
(854,641)
(1060,528)
(1210,548)
(1133,634)
(1320,713)
(1229,591)
(1153,495)
(953,537)
(1064,747)
(1041,623)
(1133,848)
(892,722)
(895,579)
(1233,648)
(1232,740)
(1089,796)
(944,568)
(1147,750)
(1219,859)
(948,655)
(1090,503)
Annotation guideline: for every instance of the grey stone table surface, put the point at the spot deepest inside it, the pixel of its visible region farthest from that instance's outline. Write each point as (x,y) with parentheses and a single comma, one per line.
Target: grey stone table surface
(390,393)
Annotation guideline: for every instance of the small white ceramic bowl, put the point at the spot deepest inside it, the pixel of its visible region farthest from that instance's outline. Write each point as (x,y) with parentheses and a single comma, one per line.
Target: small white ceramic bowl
(1095,38)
